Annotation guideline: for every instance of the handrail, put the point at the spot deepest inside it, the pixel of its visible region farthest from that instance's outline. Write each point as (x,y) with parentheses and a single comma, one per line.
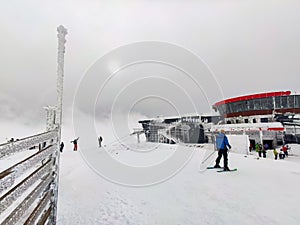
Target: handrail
(44,158)
(25,143)
(19,168)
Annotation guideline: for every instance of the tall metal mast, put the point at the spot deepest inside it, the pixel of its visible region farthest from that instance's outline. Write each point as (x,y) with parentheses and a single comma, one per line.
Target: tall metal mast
(58,120)
(62,32)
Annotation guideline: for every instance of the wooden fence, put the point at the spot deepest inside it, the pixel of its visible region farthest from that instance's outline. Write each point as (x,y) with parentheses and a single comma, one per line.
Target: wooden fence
(29,180)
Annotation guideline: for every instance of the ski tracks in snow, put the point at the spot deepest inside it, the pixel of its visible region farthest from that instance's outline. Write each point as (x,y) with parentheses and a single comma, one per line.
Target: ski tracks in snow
(116,210)
(112,210)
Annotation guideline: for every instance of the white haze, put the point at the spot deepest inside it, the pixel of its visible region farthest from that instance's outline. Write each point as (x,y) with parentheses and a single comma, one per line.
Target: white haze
(251,46)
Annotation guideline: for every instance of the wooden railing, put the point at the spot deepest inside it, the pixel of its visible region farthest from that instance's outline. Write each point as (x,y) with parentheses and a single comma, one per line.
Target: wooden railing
(27,187)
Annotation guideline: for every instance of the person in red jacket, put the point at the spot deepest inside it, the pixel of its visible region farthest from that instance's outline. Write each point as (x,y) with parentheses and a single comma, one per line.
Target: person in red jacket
(285,150)
(75,143)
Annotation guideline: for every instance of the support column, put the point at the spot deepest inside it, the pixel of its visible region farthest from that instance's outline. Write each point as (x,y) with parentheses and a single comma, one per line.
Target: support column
(60,75)
(62,32)
(50,118)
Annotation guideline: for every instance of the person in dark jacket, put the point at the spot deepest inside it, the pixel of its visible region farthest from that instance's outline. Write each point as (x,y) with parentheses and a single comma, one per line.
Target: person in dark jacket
(222,145)
(75,143)
(61,147)
(100,139)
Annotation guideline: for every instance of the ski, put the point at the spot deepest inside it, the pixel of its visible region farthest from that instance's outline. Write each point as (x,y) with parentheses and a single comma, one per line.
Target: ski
(211,167)
(232,170)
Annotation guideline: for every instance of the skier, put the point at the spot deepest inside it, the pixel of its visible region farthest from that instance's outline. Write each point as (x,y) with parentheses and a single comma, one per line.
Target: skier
(275,153)
(281,154)
(264,150)
(75,143)
(259,149)
(250,147)
(222,144)
(100,139)
(266,146)
(285,150)
(61,147)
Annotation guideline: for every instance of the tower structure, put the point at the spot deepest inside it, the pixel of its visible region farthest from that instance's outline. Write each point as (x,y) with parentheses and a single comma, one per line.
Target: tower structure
(62,32)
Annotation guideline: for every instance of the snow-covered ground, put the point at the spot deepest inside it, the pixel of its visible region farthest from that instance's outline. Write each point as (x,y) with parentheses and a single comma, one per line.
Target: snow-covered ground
(262,191)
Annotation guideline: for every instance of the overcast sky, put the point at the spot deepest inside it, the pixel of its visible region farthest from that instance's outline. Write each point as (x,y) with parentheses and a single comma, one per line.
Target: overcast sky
(250,46)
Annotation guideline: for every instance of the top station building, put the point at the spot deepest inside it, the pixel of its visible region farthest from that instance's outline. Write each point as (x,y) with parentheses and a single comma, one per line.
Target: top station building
(272,117)
(273,111)
(281,102)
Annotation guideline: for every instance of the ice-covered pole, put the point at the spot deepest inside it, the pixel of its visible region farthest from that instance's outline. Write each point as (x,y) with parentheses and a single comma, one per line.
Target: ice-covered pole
(60,77)
(62,32)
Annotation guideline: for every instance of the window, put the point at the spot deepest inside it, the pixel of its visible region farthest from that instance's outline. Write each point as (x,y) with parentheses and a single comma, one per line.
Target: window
(246,105)
(240,106)
(251,104)
(267,103)
(291,101)
(264,120)
(284,102)
(228,108)
(257,105)
(278,102)
(223,109)
(297,101)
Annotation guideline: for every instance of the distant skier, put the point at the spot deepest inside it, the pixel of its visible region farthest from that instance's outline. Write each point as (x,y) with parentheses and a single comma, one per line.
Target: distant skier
(264,150)
(75,144)
(259,149)
(222,144)
(266,146)
(61,147)
(281,154)
(250,147)
(100,139)
(275,153)
(285,150)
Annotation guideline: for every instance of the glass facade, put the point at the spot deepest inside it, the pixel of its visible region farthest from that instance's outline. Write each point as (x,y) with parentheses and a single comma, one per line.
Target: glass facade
(280,102)
(297,101)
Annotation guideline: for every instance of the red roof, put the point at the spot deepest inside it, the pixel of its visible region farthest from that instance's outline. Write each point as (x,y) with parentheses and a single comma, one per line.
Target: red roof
(254,96)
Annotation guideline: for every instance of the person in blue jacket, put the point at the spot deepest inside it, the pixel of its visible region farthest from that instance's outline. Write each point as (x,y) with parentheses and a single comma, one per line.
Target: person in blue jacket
(222,145)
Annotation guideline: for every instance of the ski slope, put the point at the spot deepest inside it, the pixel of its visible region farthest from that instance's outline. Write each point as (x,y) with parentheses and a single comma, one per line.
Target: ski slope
(262,191)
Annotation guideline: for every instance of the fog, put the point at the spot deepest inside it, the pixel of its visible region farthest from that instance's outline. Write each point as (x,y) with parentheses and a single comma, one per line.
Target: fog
(246,46)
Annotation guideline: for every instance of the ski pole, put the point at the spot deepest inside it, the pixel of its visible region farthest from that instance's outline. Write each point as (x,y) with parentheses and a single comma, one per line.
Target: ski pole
(208,157)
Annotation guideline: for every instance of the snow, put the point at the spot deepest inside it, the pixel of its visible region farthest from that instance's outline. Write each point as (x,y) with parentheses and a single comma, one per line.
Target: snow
(247,126)
(262,191)
(11,160)
(240,143)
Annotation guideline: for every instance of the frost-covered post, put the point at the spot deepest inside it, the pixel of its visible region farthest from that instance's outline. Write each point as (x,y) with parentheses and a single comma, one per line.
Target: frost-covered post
(60,77)
(51,113)
(62,32)
(260,136)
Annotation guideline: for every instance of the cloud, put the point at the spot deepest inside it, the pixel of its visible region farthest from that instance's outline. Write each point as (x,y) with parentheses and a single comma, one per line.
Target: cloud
(250,46)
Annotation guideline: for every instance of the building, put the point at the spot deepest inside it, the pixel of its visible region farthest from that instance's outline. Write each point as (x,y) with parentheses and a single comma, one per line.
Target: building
(276,113)
(185,129)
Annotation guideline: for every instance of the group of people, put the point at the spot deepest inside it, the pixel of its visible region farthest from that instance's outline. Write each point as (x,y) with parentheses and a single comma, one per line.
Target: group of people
(223,145)
(282,153)
(261,149)
(75,144)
